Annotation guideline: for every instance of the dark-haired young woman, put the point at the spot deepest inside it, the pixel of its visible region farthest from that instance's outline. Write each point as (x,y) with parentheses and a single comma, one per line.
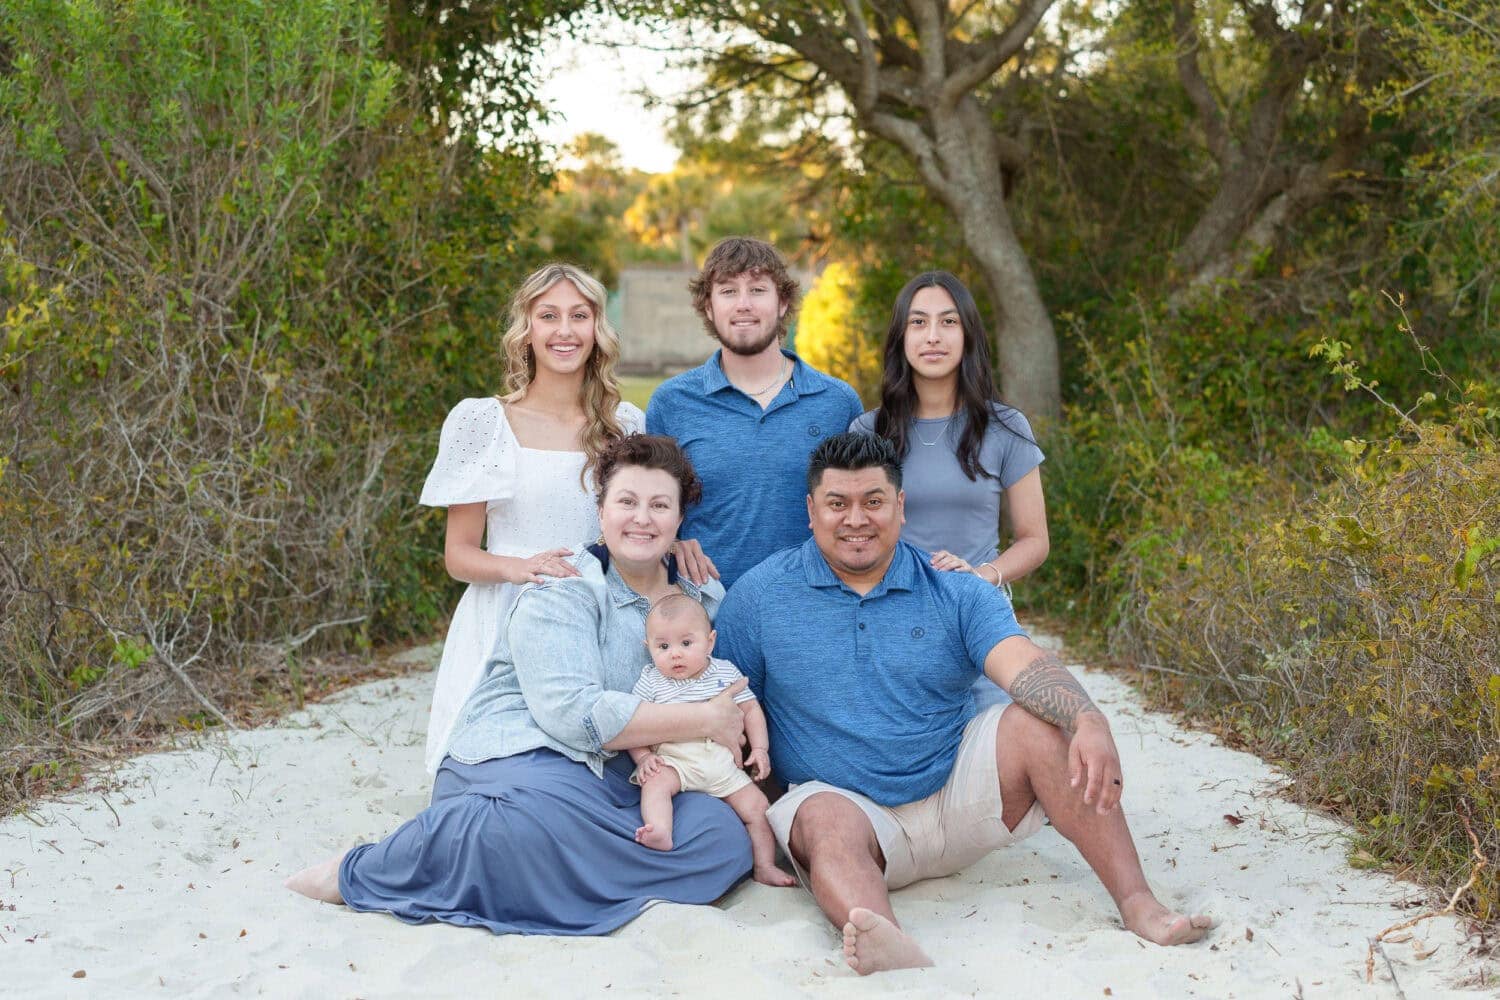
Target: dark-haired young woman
(961,448)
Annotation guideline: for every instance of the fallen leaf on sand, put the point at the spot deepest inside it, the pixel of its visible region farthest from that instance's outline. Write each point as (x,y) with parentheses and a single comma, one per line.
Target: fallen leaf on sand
(243,932)
(1419,955)
(79,974)
(1398,939)
(1233,820)
(1249,934)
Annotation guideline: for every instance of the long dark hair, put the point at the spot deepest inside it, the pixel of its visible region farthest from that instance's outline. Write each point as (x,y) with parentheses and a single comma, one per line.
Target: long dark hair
(977,397)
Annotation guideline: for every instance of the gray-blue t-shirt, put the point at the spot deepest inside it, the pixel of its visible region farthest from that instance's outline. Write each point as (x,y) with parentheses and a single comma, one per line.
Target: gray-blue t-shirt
(866,693)
(946,509)
(753,462)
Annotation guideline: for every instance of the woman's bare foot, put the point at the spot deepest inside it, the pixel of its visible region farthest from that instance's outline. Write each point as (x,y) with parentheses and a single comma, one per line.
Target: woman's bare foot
(650,836)
(320,881)
(771,875)
(874,944)
(1144,915)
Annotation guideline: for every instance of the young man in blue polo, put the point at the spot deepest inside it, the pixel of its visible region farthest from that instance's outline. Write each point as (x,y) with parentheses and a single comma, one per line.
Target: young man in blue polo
(862,655)
(749,416)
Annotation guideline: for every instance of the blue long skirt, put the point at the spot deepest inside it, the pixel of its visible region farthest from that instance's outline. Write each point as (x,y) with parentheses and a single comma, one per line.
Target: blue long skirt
(535,844)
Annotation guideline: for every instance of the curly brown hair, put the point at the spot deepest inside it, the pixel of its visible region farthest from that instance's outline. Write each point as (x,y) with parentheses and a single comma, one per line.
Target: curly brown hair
(650,451)
(737,255)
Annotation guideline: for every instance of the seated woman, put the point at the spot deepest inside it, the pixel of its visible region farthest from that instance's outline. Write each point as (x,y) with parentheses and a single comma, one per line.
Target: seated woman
(961,448)
(533,818)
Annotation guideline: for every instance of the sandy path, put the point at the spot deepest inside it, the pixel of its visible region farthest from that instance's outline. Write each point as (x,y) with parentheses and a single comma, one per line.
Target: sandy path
(168,883)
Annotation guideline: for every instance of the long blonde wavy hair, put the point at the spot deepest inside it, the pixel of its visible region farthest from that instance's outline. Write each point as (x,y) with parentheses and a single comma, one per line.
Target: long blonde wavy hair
(601,388)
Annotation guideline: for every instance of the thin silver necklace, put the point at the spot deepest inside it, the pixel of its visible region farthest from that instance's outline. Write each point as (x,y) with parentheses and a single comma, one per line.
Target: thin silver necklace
(946,421)
(780,374)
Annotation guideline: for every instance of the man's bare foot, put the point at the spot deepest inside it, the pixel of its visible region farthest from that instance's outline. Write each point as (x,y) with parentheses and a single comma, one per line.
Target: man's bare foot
(321,881)
(1144,915)
(771,875)
(650,836)
(874,944)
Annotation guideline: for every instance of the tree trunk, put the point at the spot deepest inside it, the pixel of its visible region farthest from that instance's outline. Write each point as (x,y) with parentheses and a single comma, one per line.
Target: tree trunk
(1242,191)
(1026,344)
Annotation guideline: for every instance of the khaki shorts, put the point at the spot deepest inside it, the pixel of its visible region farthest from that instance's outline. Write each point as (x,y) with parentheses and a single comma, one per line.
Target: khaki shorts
(701,766)
(940,835)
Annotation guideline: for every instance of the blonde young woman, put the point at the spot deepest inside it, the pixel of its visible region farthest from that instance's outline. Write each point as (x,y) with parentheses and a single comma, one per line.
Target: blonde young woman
(516,471)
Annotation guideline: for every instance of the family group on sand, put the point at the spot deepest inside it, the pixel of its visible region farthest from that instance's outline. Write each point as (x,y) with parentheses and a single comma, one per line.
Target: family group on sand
(753,580)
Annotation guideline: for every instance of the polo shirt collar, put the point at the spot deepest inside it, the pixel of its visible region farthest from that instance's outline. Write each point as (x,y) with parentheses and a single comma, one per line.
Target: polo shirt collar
(901,574)
(714,379)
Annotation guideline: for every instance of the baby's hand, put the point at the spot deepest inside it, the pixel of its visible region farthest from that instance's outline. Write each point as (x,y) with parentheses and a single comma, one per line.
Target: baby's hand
(649,766)
(759,763)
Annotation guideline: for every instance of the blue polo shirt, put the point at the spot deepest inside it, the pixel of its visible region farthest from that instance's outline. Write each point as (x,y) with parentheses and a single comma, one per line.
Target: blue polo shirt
(866,693)
(753,462)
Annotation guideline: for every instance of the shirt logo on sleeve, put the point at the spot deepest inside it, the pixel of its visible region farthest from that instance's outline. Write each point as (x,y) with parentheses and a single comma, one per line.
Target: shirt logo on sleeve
(814,431)
(917,632)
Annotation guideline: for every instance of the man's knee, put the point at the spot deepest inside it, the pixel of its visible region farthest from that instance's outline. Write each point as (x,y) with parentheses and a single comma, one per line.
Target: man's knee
(829,826)
(1020,730)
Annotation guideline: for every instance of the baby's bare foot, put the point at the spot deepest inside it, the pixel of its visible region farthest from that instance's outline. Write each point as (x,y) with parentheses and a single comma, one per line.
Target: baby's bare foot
(1144,914)
(874,944)
(321,881)
(650,836)
(771,875)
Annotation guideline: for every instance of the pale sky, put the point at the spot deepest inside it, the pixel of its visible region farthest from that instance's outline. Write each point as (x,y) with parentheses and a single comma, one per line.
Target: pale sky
(591,88)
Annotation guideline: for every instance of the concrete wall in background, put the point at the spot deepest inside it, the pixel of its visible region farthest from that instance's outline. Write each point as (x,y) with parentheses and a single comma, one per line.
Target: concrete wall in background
(659,331)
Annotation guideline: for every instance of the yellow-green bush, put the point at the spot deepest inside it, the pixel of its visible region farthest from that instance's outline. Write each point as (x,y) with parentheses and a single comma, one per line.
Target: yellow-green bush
(830,338)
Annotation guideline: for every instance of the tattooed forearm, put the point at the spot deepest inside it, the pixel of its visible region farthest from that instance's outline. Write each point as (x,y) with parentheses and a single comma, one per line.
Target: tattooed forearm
(1046,689)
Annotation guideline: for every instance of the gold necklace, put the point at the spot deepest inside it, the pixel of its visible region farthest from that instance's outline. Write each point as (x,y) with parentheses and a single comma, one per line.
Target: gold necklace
(780,374)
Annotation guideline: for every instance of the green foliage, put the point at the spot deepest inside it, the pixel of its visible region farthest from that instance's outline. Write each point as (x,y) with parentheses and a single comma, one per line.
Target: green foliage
(243,280)
(1344,622)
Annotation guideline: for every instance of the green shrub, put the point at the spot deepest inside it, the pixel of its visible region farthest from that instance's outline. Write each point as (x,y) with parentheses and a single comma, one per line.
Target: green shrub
(243,277)
(1351,632)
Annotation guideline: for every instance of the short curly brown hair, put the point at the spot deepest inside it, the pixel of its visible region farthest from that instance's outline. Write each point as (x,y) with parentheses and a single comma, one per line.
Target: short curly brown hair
(650,451)
(737,255)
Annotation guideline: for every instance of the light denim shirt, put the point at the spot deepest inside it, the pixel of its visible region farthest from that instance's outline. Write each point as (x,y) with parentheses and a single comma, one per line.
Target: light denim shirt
(563,666)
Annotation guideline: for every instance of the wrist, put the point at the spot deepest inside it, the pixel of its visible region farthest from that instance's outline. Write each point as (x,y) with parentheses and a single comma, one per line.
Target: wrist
(512,570)
(1090,717)
(988,566)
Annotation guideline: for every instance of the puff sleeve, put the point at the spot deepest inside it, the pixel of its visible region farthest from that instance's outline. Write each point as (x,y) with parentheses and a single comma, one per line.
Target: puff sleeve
(476,460)
(632,420)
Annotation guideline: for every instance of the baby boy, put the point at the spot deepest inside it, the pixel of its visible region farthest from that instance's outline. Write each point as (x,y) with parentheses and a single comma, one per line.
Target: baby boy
(681,640)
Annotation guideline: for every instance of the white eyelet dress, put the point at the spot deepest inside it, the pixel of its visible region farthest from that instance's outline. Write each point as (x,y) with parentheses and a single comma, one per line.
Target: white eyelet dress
(533,502)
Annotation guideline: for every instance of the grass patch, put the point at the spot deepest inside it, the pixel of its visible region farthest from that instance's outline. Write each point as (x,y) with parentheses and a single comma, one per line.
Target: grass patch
(637,389)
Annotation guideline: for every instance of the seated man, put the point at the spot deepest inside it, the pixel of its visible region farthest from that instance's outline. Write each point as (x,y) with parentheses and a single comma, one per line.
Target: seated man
(862,655)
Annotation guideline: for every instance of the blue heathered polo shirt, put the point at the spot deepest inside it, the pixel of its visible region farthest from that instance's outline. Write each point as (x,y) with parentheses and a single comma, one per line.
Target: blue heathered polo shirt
(753,462)
(866,693)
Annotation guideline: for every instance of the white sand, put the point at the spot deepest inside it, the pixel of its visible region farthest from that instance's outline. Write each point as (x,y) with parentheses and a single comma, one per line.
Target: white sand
(167,882)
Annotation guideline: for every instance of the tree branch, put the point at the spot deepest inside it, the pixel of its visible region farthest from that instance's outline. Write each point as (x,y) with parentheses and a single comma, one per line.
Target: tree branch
(869,76)
(1190,74)
(994,52)
(927,18)
(909,136)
